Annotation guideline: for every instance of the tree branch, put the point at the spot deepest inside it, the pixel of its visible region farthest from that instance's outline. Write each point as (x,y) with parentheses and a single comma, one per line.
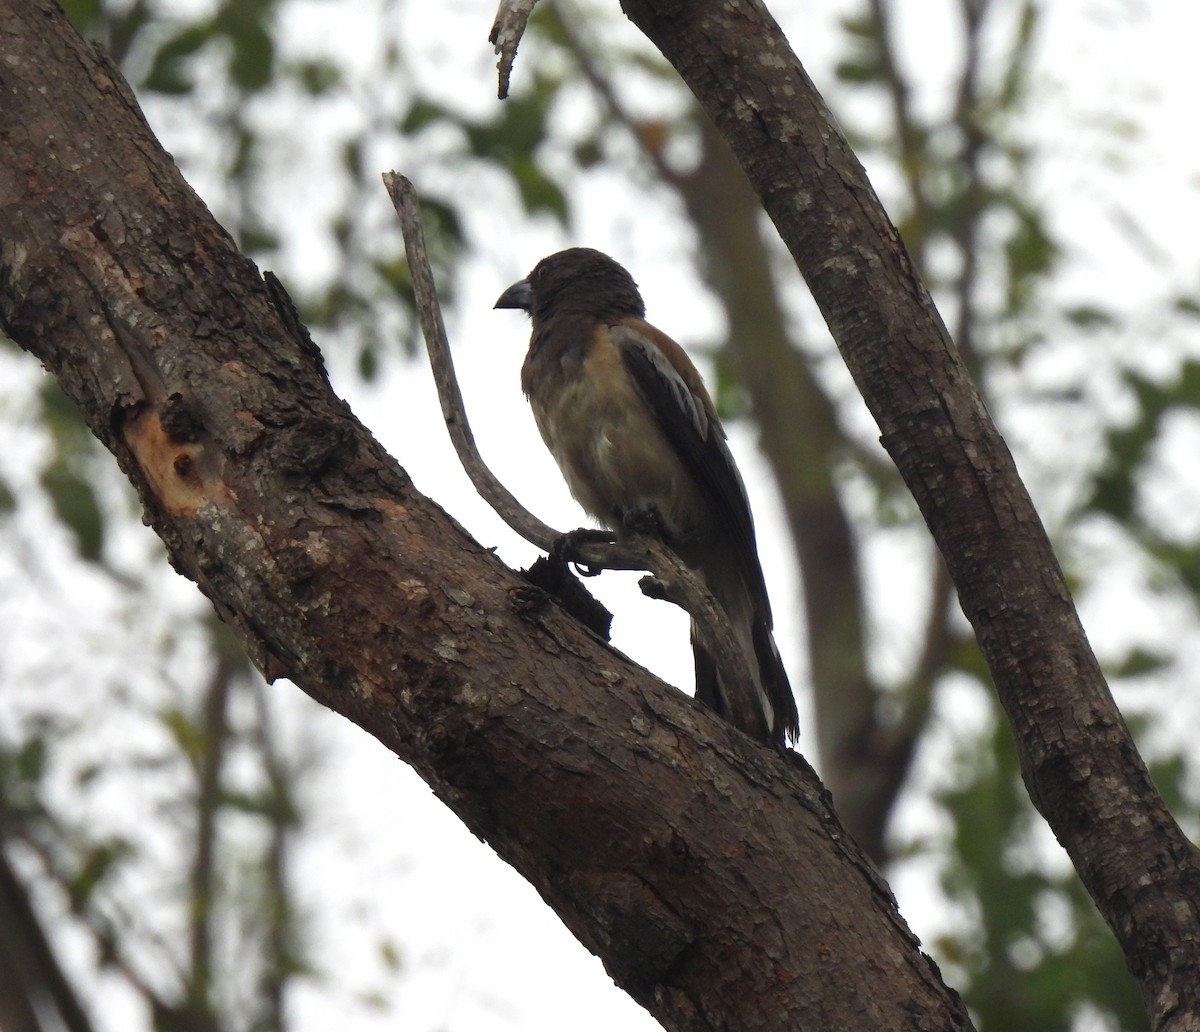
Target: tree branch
(1078,760)
(507,30)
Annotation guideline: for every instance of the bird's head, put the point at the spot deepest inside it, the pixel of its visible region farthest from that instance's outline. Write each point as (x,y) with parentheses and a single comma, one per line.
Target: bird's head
(578,281)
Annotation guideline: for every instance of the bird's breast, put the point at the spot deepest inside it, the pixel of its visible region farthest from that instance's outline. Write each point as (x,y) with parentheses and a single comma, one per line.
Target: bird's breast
(612,452)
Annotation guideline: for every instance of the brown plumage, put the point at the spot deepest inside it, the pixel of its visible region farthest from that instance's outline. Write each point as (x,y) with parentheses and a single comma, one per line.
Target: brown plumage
(627,417)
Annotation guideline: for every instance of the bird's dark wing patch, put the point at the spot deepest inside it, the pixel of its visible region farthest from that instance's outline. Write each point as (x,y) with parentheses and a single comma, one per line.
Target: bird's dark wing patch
(673,389)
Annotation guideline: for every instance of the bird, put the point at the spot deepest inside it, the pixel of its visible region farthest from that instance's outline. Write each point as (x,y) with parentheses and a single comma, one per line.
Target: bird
(635,433)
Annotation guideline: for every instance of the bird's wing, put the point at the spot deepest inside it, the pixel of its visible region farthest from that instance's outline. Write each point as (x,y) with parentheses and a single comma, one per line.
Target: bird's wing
(672,388)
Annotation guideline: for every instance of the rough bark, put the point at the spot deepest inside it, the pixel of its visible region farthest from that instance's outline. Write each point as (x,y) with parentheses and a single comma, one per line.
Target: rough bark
(709,873)
(1079,762)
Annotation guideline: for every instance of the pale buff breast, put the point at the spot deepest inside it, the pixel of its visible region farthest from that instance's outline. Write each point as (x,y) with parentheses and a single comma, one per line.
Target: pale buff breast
(611,451)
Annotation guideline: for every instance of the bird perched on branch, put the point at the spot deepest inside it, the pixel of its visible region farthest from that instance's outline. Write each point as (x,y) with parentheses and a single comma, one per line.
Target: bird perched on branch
(636,435)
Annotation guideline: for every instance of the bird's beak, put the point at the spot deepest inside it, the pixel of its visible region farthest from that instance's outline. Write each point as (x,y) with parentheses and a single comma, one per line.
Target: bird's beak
(519,295)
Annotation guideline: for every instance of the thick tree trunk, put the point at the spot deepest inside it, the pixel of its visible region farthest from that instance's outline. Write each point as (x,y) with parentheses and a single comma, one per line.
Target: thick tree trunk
(708,873)
(1081,767)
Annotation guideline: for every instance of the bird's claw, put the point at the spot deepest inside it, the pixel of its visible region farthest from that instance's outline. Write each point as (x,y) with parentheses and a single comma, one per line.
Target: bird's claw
(566,549)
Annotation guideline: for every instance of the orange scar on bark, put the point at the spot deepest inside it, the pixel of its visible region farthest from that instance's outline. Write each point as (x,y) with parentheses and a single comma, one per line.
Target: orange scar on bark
(180,473)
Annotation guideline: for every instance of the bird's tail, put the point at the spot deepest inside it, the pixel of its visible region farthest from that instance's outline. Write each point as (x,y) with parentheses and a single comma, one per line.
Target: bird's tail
(767,709)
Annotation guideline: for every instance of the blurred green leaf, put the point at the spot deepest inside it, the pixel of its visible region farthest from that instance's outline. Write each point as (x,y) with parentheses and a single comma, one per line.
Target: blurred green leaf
(538,191)
(1030,252)
(317,77)
(352,158)
(31,759)
(1019,977)
(1013,87)
(368,363)
(1127,447)
(265,803)
(728,392)
(185,731)
(83,14)
(1138,663)
(97,863)
(863,62)
(170,70)
(62,418)
(588,154)
(518,131)
(861,71)
(253,63)
(1188,306)
(391,955)
(422,113)
(256,238)
(1090,317)
(75,505)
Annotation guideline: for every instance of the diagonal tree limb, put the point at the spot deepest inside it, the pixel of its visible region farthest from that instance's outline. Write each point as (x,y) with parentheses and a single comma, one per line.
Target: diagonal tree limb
(1079,762)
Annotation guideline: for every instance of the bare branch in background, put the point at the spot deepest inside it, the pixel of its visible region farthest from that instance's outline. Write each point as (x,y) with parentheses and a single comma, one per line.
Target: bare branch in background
(209,764)
(33,985)
(602,84)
